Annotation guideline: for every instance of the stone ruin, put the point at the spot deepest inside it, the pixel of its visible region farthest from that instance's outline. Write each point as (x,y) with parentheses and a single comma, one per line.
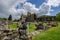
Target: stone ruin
(7,34)
(4,25)
(45,26)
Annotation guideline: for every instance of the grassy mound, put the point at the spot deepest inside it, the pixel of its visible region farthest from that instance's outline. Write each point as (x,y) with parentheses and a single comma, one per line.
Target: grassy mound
(51,34)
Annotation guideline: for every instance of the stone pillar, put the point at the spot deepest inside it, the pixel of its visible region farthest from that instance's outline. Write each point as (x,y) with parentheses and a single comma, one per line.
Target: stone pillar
(6,25)
(23,29)
(22,32)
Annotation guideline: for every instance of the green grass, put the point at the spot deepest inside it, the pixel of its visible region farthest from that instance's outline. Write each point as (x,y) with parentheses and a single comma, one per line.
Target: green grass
(51,34)
(31,27)
(13,26)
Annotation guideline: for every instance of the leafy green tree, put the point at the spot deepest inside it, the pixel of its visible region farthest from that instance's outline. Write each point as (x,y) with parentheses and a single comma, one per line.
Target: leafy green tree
(58,16)
(10,18)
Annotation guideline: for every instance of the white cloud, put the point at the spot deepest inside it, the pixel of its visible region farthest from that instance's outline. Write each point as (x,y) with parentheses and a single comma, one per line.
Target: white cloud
(8,7)
(54,3)
(44,9)
(22,11)
(30,7)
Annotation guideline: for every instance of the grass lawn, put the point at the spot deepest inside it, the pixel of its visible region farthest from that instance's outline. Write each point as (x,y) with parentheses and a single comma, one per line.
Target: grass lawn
(31,27)
(13,26)
(51,34)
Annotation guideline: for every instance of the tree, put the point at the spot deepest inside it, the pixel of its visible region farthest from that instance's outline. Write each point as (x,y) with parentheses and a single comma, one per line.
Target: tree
(58,16)
(10,18)
(35,16)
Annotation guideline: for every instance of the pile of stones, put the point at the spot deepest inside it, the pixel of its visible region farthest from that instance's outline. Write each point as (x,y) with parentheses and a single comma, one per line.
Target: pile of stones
(45,26)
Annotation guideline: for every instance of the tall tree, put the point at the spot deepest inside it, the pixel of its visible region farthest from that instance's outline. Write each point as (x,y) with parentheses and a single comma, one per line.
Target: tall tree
(35,16)
(58,16)
(10,18)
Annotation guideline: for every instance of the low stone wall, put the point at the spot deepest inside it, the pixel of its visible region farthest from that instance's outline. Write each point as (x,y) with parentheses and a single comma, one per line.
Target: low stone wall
(12,35)
(9,34)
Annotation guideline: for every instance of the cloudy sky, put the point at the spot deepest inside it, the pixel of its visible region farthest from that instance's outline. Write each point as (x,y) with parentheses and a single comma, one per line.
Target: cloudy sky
(18,7)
